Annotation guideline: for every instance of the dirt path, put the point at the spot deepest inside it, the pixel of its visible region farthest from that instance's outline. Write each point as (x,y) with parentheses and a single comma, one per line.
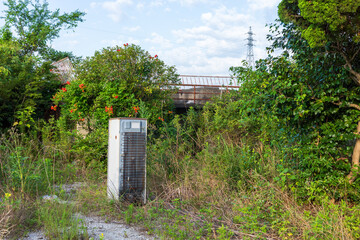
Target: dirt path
(113,230)
(96,226)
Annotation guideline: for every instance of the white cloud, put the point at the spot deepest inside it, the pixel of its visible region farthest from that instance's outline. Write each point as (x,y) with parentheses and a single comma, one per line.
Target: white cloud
(140,6)
(209,45)
(224,17)
(222,23)
(221,33)
(158,40)
(132,29)
(260,4)
(216,44)
(189,2)
(192,60)
(157,3)
(72,43)
(115,8)
(118,42)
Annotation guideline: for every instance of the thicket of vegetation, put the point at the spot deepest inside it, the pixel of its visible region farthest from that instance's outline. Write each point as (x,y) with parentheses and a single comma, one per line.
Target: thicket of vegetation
(276,159)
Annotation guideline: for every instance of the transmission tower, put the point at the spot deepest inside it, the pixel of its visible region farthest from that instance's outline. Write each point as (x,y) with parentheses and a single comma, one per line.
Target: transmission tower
(250,49)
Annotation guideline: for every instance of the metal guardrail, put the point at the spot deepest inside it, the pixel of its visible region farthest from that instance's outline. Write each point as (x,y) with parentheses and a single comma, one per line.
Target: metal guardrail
(197,90)
(212,81)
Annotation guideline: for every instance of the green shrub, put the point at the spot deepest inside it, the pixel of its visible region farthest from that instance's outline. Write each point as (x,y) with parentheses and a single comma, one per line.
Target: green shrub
(116,82)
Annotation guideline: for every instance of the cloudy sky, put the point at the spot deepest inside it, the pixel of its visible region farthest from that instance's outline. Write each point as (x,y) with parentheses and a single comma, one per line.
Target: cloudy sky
(199,37)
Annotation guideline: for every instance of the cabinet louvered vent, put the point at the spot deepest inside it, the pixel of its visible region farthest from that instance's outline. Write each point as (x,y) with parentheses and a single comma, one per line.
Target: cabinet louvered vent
(127,159)
(134,162)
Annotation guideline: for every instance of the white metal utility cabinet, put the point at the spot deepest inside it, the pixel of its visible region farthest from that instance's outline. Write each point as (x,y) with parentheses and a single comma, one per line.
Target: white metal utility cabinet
(127,159)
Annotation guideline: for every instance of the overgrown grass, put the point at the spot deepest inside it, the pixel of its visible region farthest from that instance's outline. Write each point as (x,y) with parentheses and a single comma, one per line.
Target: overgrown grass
(30,167)
(227,190)
(201,185)
(59,222)
(238,184)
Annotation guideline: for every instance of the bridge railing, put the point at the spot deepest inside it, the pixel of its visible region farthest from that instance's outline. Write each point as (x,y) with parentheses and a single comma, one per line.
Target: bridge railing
(210,81)
(197,90)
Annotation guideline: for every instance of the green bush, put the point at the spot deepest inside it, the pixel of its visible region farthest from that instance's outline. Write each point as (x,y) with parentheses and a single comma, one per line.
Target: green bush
(116,82)
(26,86)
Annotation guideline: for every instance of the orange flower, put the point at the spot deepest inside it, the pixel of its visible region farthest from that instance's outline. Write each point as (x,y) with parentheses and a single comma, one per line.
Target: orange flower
(53,108)
(64,89)
(82,86)
(109,109)
(67,82)
(160,118)
(136,109)
(116,96)
(170,112)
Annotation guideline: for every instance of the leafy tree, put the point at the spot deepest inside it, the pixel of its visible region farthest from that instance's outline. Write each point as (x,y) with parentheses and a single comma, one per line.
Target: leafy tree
(120,79)
(116,82)
(306,96)
(26,82)
(35,25)
(334,25)
(12,86)
(331,28)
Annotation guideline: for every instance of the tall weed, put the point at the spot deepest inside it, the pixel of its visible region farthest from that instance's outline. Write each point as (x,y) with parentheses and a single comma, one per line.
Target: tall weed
(59,222)
(24,168)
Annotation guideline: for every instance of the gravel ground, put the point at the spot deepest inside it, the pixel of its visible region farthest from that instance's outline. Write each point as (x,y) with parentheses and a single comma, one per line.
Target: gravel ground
(96,226)
(110,230)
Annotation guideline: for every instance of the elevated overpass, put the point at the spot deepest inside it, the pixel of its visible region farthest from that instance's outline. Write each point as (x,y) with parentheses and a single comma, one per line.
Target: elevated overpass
(194,90)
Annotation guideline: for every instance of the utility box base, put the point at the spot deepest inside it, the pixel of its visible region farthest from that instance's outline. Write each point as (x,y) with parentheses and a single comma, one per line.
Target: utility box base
(127,159)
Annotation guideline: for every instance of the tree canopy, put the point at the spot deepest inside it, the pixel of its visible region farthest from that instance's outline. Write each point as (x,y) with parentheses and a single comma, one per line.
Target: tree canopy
(35,25)
(115,82)
(333,25)
(26,83)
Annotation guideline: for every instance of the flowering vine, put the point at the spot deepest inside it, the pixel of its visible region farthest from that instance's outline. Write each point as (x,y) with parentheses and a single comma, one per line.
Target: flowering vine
(109,110)
(136,109)
(82,86)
